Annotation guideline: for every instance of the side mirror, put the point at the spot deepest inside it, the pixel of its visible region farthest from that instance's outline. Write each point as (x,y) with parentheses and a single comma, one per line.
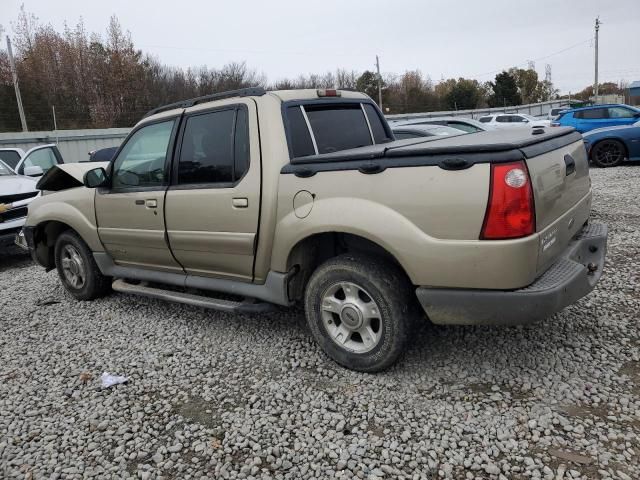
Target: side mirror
(33,171)
(95,178)
(637,115)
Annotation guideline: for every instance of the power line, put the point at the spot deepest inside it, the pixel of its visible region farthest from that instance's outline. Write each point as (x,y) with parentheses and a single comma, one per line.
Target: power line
(589,40)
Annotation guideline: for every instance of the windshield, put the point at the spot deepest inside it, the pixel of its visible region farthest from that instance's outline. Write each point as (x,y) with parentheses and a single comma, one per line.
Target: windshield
(528,117)
(5,170)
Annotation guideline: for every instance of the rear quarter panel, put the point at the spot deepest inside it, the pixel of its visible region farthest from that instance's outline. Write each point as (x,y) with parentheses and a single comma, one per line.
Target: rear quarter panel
(428,218)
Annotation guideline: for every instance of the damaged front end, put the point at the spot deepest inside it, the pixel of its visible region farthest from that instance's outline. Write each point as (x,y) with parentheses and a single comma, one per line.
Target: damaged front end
(66,176)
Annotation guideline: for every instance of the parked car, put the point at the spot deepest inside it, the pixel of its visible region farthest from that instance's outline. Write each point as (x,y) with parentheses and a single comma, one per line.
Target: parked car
(16,192)
(598,116)
(102,154)
(609,147)
(468,125)
(303,196)
(555,113)
(513,120)
(34,162)
(402,132)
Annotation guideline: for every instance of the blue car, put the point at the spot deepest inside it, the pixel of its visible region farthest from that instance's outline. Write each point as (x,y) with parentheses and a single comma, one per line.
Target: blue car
(608,147)
(597,116)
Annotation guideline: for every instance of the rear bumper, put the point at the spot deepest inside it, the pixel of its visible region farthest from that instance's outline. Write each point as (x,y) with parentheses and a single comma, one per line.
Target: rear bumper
(570,278)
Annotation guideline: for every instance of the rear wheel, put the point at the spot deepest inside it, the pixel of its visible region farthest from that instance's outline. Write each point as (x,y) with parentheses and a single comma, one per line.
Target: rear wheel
(360,311)
(77,269)
(608,153)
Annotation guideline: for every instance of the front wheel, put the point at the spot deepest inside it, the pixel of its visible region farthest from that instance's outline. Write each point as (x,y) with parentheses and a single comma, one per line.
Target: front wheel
(77,269)
(360,311)
(608,153)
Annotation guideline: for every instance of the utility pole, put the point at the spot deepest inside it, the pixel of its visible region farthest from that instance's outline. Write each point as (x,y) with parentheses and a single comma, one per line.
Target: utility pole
(14,74)
(547,79)
(595,85)
(379,83)
(55,124)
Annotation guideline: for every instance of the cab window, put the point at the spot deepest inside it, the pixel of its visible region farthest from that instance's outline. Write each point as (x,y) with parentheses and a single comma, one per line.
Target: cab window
(141,162)
(215,147)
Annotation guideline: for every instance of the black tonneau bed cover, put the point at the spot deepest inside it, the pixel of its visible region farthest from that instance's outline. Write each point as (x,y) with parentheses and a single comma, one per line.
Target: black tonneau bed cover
(451,153)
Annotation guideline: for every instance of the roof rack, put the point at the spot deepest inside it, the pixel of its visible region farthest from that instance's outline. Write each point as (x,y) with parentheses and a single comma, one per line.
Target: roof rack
(243,92)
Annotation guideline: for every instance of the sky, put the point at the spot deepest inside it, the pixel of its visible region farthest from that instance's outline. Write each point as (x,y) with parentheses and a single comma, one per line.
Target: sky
(442,39)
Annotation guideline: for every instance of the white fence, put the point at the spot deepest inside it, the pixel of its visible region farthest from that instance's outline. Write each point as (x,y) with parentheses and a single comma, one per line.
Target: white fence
(74,145)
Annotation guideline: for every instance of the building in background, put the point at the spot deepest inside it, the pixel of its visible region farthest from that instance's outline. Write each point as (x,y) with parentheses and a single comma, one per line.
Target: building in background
(634,93)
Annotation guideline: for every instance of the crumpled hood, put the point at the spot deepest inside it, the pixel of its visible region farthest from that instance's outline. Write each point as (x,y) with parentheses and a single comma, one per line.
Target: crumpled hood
(67,175)
(13,184)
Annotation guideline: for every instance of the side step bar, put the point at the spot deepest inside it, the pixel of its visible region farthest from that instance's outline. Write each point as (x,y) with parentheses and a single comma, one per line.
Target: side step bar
(246,306)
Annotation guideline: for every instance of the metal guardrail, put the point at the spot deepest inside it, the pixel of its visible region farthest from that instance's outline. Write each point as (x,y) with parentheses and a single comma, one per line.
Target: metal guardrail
(535,109)
(74,145)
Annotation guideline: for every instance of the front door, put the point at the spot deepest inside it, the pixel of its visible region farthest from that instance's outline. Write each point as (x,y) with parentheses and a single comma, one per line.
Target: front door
(621,116)
(213,202)
(39,160)
(130,213)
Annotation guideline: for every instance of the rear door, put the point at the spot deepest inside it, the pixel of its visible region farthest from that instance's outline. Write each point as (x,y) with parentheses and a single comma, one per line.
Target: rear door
(213,203)
(591,118)
(130,213)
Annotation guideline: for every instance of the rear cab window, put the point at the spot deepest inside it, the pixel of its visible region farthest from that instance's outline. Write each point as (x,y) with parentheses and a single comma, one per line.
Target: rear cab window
(328,127)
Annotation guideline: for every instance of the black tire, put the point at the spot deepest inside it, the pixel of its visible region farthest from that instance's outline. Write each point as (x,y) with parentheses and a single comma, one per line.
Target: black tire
(94,284)
(386,285)
(608,153)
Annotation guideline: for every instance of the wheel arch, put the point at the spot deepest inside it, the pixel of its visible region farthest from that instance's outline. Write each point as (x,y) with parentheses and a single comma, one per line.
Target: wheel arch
(311,251)
(45,236)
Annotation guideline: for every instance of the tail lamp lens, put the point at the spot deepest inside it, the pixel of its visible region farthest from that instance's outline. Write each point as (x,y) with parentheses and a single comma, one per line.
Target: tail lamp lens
(510,211)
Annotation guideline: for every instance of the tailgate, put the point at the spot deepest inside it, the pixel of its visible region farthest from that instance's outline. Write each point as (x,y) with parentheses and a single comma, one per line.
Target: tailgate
(561,190)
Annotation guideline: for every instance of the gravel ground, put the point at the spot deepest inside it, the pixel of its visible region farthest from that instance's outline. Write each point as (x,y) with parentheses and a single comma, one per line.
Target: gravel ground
(213,395)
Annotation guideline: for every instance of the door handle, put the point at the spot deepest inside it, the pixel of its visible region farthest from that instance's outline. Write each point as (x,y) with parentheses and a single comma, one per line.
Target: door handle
(240,202)
(151,203)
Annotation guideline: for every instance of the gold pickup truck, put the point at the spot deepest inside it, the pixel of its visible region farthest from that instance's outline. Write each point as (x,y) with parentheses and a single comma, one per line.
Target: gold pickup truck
(277,197)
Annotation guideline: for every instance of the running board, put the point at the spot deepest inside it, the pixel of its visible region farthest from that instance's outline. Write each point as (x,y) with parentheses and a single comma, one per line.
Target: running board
(246,306)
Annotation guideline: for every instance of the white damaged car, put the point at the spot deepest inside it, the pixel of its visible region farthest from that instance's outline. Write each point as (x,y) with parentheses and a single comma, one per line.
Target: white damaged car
(16,192)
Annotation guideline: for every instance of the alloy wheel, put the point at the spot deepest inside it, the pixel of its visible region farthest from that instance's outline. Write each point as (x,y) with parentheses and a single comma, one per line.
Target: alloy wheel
(351,317)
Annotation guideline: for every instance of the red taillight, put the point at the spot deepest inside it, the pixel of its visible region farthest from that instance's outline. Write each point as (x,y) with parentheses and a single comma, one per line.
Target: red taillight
(510,211)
